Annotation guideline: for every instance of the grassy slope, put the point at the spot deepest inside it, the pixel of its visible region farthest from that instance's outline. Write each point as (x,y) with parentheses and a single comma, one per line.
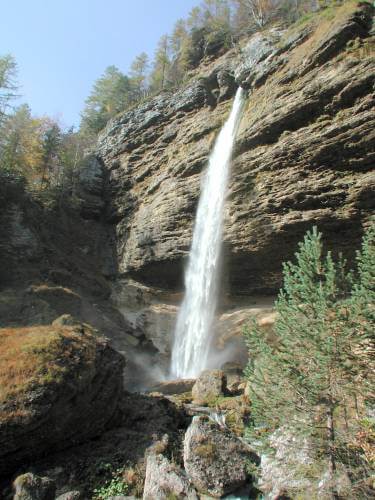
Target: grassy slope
(39,356)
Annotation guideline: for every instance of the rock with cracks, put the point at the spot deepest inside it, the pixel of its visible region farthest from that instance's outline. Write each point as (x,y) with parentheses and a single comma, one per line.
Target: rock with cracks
(210,385)
(165,479)
(32,487)
(215,459)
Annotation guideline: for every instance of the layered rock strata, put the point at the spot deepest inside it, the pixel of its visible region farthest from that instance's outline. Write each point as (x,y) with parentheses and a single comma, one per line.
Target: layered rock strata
(304,154)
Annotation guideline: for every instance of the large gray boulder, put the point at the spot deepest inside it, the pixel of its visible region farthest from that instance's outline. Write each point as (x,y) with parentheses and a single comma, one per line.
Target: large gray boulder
(210,385)
(280,471)
(215,459)
(165,479)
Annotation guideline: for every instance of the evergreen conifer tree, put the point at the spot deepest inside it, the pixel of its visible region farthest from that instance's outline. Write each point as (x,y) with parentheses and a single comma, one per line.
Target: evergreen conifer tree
(312,374)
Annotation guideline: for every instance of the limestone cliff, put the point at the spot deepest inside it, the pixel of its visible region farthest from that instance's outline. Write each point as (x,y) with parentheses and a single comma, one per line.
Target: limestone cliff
(114,255)
(304,154)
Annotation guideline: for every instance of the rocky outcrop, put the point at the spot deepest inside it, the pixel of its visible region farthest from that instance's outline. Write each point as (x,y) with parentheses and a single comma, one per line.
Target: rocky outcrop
(63,389)
(32,487)
(210,385)
(173,387)
(280,469)
(215,459)
(303,156)
(88,188)
(70,495)
(166,480)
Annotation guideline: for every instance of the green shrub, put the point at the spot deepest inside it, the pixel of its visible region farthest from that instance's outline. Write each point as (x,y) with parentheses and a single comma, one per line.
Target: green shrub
(113,487)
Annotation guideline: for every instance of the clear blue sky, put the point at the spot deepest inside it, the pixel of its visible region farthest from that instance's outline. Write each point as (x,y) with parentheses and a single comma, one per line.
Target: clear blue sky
(62,46)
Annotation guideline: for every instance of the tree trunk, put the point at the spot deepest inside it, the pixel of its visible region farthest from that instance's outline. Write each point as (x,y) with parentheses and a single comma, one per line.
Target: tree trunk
(331,450)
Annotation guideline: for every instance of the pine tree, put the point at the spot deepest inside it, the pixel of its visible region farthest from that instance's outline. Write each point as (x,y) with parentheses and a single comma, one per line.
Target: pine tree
(138,75)
(111,93)
(312,374)
(195,18)
(161,65)
(8,85)
(51,143)
(177,43)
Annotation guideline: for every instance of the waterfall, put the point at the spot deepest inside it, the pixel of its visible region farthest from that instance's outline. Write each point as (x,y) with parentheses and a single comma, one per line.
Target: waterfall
(193,333)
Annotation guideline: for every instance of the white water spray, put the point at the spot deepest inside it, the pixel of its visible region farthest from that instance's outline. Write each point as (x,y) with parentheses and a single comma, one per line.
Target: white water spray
(193,332)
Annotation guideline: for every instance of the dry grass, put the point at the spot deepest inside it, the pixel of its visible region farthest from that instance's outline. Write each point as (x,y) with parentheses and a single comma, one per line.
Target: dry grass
(206,451)
(263,99)
(38,356)
(322,23)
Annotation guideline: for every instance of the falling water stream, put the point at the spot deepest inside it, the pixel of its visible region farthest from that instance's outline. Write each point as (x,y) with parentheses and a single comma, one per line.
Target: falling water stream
(193,333)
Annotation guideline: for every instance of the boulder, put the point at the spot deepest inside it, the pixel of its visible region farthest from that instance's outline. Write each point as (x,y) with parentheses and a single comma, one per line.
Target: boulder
(152,415)
(227,84)
(122,497)
(215,460)
(174,386)
(70,495)
(210,385)
(234,375)
(165,479)
(62,374)
(32,487)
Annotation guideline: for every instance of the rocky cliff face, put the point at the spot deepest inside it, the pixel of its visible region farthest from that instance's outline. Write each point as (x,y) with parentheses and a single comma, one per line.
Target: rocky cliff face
(303,156)
(115,257)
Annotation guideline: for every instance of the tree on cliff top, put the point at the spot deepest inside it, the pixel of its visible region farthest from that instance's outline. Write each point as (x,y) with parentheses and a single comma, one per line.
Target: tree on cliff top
(159,74)
(8,85)
(138,75)
(313,374)
(111,93)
